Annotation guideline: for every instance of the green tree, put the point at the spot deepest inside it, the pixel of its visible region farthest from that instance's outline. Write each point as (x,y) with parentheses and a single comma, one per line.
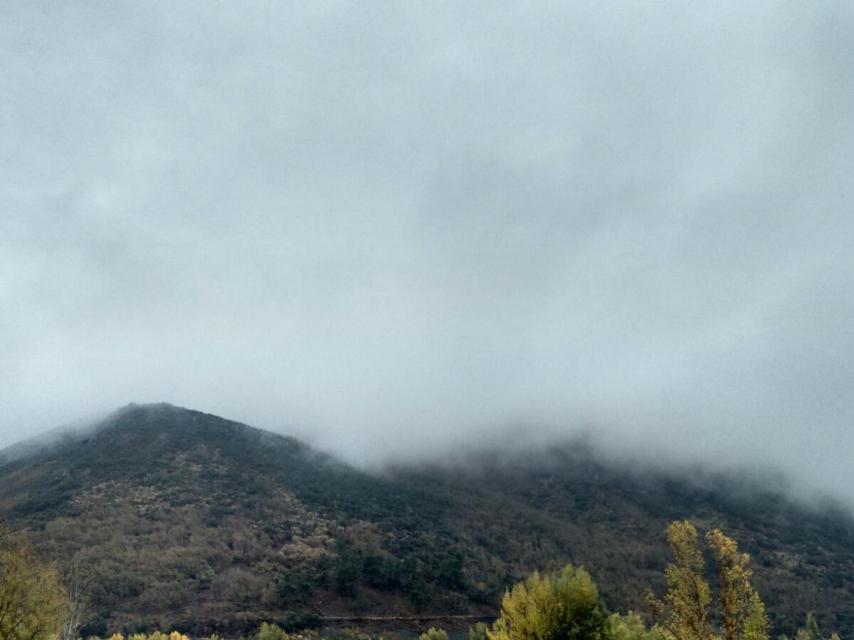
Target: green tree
(381,572)
(811,630)
(450,571)
(348,571)
(480,631)
(293,586)
(33,603)
(413,583)
(756,625)
(565,606)
(630,627)
(271,632)
(433,634)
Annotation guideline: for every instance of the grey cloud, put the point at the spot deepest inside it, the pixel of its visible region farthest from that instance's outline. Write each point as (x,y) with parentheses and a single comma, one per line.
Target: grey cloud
(398,229)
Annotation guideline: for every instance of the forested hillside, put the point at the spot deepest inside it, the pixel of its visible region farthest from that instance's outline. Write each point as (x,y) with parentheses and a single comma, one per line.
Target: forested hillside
(176,518)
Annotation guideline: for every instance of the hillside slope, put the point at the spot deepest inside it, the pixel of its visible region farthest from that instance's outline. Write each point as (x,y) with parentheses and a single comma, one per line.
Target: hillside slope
(179,518)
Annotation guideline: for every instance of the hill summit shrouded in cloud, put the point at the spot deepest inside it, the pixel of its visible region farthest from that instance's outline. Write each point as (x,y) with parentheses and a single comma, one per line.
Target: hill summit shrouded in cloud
(397,230)
(177,518)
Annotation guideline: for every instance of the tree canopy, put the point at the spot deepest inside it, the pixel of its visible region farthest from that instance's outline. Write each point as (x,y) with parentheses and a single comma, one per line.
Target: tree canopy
(685,609)
(33,603)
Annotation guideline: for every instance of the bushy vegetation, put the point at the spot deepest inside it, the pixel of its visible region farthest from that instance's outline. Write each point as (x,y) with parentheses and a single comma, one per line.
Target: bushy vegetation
(561,607)
(156,635)
(33,603)
(565,605)
(434,634)
(631,627)
(810,631)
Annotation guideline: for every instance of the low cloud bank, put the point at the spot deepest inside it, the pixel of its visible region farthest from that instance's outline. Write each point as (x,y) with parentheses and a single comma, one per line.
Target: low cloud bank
(398,232)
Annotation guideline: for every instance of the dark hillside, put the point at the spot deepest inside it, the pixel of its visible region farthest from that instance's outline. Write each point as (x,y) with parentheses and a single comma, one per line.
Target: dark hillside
(180,518)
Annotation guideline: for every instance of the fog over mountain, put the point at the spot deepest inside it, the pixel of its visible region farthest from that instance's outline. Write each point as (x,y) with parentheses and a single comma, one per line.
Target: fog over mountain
(397,229)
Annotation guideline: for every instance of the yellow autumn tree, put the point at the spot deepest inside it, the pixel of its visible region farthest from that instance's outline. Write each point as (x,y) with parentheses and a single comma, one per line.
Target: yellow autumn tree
(33,602)
(742,610)
(685,609)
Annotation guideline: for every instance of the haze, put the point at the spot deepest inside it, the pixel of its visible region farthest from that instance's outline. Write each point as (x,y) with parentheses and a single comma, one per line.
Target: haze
(398,229)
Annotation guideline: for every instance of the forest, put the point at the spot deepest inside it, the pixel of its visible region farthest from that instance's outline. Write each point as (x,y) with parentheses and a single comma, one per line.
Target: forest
(38,603)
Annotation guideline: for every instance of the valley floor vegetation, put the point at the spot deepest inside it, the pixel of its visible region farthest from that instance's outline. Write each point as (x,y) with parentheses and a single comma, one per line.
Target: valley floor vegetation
(37,604)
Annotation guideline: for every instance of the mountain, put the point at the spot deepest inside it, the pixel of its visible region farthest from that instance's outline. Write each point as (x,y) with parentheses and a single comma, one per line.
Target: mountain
(177,518)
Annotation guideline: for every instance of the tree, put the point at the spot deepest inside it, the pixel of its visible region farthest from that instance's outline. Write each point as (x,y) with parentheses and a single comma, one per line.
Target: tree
(76,605)
(811,631)
(480,631)
(413,583)
(33,603)
(348,571)
(756,626)
(685,610)
(565,606)
(630,627)
(686,606)
(741,608)
(271,632)
(433,634)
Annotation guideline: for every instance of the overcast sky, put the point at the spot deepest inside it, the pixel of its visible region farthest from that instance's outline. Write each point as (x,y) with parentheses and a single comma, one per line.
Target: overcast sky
(395,228)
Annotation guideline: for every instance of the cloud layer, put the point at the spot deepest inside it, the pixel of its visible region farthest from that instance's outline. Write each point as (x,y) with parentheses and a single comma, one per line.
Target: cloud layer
(395,229)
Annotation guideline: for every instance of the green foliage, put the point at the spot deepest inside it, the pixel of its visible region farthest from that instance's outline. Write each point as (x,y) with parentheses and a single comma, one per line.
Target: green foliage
(565,606)
(810,631)
(33,604)
(756,625)
(300,621)
(413,582)
(450,571)
(348,571)
(294,586)
(480,631)
(271,632)
(742,610)
(630,627)
(685,610)
(812,628)
(381,572)
(433,634)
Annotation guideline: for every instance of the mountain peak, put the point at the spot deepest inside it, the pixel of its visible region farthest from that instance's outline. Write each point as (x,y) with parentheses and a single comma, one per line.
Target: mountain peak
(166,417)
(148,411)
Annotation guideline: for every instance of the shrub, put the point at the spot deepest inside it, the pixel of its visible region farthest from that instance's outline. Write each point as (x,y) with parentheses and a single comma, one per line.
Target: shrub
(32,601)
(630,627)
(565,606)
(271,632)
(433,634)
(480,631)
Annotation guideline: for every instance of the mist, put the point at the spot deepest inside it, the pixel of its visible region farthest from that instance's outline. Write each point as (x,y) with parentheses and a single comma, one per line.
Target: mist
(401,230)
